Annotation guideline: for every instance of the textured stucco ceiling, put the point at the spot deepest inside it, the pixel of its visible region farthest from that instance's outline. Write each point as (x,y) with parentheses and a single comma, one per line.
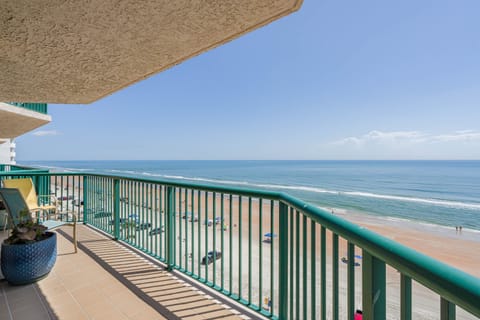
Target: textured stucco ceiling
(78,51)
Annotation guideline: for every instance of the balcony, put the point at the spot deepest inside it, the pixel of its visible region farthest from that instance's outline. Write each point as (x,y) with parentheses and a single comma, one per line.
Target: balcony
(105,280)
(280,257)
(20,118)
(37,107)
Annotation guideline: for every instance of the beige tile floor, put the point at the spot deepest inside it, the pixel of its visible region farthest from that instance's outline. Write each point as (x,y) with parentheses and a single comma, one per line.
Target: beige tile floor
(106,280)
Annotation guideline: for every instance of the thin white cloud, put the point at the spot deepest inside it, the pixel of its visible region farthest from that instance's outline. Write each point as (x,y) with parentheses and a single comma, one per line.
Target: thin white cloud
(377,137)
(43,133)
(377,144)
(408,137)
(459,136)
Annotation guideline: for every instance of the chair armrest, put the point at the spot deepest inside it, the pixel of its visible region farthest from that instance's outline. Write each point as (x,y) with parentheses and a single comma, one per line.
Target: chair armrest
(51,199)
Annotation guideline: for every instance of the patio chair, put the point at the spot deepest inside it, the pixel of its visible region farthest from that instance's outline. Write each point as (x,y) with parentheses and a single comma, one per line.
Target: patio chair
(15,203)
(27,189)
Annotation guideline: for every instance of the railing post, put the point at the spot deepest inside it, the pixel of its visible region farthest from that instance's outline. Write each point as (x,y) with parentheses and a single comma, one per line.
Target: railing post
(170,230)
(283,262)
(373,287)
(116,209)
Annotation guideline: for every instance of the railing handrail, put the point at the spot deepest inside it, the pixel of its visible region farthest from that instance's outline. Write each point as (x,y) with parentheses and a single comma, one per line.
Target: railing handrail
(454,284)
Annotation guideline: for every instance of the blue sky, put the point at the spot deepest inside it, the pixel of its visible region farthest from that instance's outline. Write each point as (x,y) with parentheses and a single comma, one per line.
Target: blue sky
(335,80)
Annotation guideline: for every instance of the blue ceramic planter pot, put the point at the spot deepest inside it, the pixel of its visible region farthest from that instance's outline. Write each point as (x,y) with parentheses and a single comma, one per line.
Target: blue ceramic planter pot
(27,263)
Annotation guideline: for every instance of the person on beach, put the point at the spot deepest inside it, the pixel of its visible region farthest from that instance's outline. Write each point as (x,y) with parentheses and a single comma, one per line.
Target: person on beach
(358,315)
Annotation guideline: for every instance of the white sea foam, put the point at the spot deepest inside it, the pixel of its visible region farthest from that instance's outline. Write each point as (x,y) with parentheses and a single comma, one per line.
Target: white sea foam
(60,169)
(436,202)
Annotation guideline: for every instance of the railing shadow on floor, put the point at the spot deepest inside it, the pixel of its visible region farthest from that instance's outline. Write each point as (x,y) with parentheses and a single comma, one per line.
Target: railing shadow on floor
(171,294)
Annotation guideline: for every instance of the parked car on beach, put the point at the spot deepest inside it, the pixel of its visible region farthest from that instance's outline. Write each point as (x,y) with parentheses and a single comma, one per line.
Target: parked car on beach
(189,216)
(156,231)
(211,257)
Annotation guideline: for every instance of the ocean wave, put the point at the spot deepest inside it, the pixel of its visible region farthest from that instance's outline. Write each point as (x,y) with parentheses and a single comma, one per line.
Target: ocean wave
(435,202)
(60,169)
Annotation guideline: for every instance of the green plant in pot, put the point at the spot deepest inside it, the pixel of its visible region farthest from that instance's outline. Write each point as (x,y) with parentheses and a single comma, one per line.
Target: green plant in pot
(3,215)
(27,232)
(29,253)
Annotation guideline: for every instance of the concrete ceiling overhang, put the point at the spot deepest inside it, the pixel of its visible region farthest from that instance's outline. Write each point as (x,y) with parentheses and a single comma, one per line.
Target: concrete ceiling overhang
(15,121)
(78,51)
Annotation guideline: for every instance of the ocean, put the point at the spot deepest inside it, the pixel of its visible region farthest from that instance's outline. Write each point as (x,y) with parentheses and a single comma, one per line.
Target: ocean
(435,193)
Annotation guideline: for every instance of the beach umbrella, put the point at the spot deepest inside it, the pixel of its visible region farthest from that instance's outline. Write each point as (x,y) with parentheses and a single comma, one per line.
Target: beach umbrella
(358,256)
(270,235)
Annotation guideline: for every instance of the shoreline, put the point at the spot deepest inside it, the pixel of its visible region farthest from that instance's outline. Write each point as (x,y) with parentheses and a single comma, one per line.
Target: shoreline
(402,223)
(442,243)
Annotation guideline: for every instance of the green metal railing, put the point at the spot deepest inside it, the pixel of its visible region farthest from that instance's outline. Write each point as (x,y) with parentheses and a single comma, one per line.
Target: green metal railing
(13,167)
(38,107)
(279,255)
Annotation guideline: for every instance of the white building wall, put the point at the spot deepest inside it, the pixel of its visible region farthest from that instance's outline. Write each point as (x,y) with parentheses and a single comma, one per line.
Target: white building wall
(7,152)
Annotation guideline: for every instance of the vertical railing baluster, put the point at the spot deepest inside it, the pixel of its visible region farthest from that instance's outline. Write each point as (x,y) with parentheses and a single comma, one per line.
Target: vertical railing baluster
(291,259)
(169,206)
(272,259)
(260,250)
(206,236)
(240,247)
(230,244)
(186,229)
(304,264)
(156,212)
(374,287)
(283,261)
(163,221)
(151,217)
(249,249)
(335,292)
(180,227)
(174,223)
(313,271)
(405,297)
(61,193)
(116,209)
(351,280)
(140,214)
(323,272)
(447,310)
(222,241)
(85,199)
(192,198)
(199,209)
(297,265)
(214,232)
